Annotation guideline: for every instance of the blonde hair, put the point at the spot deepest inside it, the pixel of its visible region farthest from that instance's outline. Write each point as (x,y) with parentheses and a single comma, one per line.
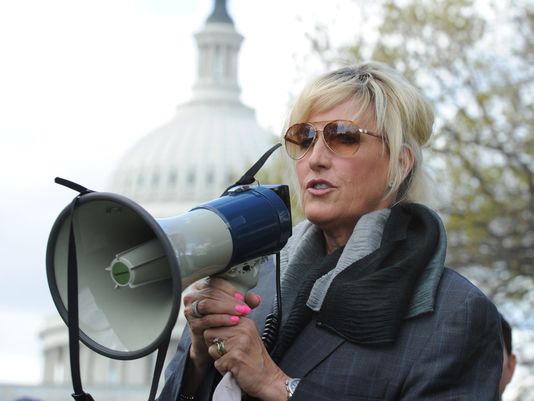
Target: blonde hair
(403,116)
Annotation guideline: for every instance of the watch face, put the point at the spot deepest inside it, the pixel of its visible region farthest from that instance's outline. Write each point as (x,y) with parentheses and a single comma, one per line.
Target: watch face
(292,385)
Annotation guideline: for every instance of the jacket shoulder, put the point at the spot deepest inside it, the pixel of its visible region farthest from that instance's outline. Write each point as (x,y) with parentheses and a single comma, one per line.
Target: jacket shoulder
(456,292)
(453,282)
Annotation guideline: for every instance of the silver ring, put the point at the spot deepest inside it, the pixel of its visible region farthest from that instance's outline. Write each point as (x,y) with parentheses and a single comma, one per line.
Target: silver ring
(194,309)
(219,342)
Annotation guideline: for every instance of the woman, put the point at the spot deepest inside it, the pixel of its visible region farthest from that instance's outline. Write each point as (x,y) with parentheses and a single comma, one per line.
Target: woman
(369,312)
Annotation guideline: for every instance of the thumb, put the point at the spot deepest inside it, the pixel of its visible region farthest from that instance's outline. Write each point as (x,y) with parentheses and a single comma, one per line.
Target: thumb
(252,299)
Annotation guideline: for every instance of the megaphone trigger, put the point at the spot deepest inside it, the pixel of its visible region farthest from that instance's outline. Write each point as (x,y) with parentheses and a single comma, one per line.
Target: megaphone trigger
(244,276)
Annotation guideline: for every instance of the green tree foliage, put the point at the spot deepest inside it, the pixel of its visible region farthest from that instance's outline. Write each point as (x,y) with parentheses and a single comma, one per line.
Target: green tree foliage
(474,61)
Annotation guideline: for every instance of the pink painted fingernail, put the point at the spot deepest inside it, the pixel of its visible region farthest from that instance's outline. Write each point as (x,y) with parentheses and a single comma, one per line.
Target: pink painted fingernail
(243,309)
(234,319)
(239,296)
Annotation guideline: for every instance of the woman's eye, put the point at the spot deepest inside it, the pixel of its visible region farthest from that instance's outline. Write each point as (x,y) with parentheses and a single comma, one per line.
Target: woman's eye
(305,143)
(348,138)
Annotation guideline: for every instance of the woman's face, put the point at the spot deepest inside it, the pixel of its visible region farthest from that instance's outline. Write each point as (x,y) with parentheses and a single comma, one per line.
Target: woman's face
(336,191)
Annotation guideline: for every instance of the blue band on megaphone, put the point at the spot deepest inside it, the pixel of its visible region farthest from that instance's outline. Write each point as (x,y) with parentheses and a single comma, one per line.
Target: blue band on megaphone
(258,220)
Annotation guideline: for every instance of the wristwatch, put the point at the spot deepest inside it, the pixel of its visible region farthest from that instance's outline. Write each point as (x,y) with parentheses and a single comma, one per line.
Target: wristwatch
(291,386)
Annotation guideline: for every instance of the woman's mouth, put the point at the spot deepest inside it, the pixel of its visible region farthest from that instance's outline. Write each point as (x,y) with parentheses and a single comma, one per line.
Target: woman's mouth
(319,187)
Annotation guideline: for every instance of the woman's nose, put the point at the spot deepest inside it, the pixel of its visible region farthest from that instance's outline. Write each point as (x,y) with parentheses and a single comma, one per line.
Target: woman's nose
(319,154)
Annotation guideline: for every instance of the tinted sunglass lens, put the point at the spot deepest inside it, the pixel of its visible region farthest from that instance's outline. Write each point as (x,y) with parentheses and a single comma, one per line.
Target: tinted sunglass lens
(298,139)
(343,137)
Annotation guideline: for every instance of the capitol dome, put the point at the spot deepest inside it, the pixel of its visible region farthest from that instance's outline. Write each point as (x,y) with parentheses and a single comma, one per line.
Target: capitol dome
(211,141)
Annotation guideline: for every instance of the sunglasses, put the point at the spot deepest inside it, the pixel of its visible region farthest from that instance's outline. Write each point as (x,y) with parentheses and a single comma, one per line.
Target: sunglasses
(342,137)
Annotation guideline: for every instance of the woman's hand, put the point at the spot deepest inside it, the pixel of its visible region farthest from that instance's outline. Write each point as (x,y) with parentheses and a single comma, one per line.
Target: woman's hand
(218,304)
(241,351)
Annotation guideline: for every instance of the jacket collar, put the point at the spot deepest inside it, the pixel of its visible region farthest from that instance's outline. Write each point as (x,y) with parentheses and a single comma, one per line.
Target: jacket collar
(307,245)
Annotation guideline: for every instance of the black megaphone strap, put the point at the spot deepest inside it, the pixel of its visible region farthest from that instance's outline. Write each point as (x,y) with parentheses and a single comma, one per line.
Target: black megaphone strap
(72,297)
(248,177)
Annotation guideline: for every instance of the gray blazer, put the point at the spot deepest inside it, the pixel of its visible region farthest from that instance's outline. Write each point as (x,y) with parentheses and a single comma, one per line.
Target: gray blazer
(452,353)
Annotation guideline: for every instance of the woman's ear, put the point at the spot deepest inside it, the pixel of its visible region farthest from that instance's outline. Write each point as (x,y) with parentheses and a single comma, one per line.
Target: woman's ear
(406,160)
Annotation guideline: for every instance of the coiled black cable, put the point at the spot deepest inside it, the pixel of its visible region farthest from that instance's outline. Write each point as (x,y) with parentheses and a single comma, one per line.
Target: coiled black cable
(272,321)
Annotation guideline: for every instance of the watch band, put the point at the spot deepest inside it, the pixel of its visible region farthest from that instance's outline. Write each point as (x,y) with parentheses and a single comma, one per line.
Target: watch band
(291,386)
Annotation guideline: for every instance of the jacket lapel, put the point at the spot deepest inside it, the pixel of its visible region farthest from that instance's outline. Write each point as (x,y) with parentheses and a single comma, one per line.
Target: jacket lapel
(310,349)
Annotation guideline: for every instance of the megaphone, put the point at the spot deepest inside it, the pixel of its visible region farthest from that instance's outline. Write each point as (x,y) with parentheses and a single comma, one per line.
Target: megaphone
(132,267)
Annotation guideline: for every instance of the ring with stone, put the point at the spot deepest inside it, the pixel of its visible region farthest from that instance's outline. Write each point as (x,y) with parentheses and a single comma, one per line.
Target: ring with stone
(219,343)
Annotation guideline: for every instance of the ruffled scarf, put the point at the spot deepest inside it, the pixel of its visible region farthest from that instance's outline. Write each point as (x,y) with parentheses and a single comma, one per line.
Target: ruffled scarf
(388,271)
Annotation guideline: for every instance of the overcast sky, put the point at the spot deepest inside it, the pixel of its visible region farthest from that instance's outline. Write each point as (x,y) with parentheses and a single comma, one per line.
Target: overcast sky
(80,83)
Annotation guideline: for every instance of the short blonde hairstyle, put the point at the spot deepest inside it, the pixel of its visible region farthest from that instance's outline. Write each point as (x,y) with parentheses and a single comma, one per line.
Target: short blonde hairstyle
(403,116)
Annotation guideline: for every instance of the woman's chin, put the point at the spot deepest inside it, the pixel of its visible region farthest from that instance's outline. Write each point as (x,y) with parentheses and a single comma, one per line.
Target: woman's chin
(318,217)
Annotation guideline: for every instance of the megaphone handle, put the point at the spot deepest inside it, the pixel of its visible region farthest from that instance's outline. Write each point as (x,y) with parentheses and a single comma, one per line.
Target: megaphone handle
(243,276)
